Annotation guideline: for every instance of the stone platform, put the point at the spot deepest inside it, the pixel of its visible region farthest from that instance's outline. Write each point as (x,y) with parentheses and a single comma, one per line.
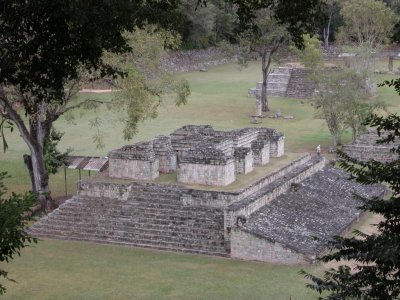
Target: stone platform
(274,217)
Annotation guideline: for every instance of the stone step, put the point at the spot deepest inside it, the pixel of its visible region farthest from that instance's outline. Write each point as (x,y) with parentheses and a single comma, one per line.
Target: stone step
(189,244)
(183,211)
(222,253)
(150,218)
(277,86)
(133,235)
(128,210)
(132,203)
(134,228)
(141,199)
(146,199)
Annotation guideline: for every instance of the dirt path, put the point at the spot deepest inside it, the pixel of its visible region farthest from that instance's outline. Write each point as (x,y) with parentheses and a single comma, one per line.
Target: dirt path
(97,91)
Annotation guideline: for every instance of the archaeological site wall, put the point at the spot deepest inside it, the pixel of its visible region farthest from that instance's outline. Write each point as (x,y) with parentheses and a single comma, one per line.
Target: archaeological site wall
(365,148)
(248,246)
(198,155)
(272,219)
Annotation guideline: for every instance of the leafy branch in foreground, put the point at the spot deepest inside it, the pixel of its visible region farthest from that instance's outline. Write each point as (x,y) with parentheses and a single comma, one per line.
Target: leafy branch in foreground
(376,256)
(14,216)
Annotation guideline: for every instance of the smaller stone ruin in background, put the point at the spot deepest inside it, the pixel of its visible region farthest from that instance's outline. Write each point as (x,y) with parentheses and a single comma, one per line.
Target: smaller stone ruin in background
(366,148)
(287,81)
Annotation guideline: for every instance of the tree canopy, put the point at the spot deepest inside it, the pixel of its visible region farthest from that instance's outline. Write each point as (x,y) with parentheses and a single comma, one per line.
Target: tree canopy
(46,46)
(366,23)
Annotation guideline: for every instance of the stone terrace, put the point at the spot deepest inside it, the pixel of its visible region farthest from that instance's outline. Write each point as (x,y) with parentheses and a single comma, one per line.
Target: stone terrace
(272,218)
(366,148)
(304,219)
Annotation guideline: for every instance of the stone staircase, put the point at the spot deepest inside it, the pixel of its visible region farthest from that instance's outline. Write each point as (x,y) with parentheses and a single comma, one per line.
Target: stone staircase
(145,219)
(278,186)
(278,81)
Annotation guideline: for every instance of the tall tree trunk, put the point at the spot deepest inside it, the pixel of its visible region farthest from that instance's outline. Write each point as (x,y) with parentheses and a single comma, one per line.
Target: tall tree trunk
(40,123)
(41,180)
(40,130)
(28,163)
(327,32)
(266,63)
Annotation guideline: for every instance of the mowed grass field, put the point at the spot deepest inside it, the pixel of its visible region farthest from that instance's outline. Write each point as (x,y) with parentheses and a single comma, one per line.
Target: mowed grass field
(74,270)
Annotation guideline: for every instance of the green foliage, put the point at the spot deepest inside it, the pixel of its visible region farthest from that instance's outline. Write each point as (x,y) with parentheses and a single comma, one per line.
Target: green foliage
(198,28)
(53,158)
(299,16)
(366,22)
(395,7)
(47,47)
(14,215)
(311,55)
(68,35)
(263,41)
(329,24)
(342,101)
(147,85)
(377,256)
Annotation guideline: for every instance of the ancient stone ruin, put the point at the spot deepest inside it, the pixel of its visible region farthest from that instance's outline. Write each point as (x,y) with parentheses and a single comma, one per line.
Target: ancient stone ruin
(287,81)
(366,148)
(286,215)
(198,154)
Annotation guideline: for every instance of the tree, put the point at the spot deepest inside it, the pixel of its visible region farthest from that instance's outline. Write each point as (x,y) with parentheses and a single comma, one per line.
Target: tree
(53,158)
(298,16)
(311,55)
(377,256)
(198,28)
(395,7)
(367,23)
(14,215)
(331,22)
(265,40)
(44,47)
(342,101)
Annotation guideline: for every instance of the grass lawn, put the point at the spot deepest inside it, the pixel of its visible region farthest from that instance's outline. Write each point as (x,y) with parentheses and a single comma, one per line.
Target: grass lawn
(73,270)
(77,270)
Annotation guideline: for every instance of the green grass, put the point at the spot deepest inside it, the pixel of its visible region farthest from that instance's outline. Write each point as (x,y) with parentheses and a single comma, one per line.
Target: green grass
(71,270)
(78,270)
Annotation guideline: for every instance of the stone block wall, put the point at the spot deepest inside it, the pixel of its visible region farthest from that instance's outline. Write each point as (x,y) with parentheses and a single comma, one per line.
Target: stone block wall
(276,140)
(165,154)
(133,169)
(134,162)
(250,247)
(207,174)
(365,152)
(366,148)
(300,86)
(243,160)
(197,153)
(260,152)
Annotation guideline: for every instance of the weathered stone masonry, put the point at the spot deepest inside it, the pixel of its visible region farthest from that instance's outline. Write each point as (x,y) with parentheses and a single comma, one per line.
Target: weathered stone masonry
(199,155)
(365,148)
(272,219)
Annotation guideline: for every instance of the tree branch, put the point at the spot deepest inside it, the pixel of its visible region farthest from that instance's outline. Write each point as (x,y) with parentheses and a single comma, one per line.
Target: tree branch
(65,109)
(13,115)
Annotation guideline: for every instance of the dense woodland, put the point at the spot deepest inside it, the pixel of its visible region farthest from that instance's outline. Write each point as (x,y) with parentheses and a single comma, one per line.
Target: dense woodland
(217,22)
